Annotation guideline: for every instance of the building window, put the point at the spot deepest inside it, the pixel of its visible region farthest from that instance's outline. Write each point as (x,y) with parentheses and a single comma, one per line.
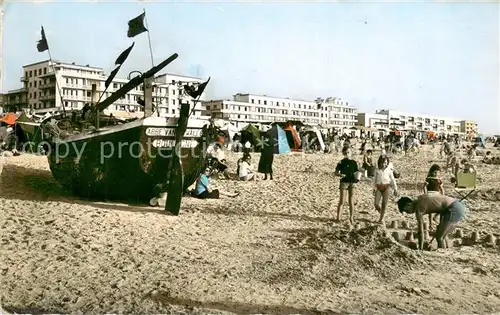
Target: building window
(40,71)
(45,70)
(265,102)
(253,101)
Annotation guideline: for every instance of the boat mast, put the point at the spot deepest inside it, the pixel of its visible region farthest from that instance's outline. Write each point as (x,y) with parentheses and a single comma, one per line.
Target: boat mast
(148,96)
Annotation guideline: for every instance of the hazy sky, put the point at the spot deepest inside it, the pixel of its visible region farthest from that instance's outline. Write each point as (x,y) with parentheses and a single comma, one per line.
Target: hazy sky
(429,58)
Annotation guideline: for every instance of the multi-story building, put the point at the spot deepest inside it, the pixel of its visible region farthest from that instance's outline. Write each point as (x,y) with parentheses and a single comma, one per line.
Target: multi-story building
(15,100)
(1,103)
(250,108)
(336,113)
(387,118)
(50,85)
(469,127)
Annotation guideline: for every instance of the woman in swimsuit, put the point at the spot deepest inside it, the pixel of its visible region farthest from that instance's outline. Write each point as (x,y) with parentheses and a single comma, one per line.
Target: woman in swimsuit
(383,179)
(451,212)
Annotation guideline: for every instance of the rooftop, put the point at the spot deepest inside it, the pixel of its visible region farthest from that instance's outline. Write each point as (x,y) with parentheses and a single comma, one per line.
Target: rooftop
(62,63)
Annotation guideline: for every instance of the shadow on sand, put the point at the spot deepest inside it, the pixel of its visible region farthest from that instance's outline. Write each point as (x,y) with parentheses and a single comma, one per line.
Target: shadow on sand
(217,209)
(235,307)
(22,183)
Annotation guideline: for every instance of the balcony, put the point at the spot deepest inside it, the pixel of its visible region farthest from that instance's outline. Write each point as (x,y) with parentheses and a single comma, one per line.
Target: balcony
(47,97)
(47,85)
(24,79)
(49,73)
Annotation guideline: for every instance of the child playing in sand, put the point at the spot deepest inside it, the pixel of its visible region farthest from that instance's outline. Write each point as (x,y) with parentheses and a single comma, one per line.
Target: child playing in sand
(346,169)
(383,179)
(368,164)
(451,212)
(433,183)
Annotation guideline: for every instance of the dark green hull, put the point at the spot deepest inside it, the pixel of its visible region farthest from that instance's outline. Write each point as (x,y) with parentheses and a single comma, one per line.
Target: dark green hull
(112,167)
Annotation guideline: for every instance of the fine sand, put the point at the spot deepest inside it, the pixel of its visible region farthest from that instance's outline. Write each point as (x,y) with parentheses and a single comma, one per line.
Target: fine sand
(273,249)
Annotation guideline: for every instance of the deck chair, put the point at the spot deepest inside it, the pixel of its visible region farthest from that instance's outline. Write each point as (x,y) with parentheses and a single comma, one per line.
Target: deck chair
(465,184)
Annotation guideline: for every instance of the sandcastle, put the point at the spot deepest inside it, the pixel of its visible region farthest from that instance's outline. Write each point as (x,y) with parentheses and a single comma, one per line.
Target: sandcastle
(408,237)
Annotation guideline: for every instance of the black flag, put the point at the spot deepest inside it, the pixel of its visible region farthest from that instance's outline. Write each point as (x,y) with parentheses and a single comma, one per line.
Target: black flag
(124,55)
(136,25)
(42,43)
(195,93)
(112,75)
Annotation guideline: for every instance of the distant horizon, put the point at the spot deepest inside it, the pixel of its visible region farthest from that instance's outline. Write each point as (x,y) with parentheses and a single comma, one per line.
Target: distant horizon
(438,59)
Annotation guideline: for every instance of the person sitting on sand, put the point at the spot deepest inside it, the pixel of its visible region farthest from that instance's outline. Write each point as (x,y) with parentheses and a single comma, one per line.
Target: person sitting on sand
(433,184)
(383,179)
(203,189)
(346,169)
(218,159)
(451,212)
(487,158)
(245,169)
(368,163)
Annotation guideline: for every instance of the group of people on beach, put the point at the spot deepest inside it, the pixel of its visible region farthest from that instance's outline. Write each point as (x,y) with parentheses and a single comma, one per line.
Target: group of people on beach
(433,202)
(217,165)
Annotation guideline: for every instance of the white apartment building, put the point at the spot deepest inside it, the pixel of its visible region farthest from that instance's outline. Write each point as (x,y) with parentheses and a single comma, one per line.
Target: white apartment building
(74,85)
(388,118)
(244,109)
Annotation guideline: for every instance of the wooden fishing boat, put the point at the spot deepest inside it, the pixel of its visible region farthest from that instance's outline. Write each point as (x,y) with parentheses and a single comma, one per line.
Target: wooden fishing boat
(134,160)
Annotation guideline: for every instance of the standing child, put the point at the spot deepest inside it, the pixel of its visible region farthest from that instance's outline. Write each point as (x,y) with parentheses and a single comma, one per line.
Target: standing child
(347,169)
(433,183)
(368,164)
(384,178)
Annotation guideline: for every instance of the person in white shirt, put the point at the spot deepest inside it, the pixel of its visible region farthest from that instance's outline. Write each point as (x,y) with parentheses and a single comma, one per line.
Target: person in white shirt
(383,179)
(218,162)
(245,169)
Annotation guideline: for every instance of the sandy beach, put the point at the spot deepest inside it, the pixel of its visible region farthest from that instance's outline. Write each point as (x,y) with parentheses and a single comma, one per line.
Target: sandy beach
(273,249)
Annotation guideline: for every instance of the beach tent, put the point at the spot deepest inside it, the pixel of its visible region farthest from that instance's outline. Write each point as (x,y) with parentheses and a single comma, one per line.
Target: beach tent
(31,131)
(497,142)
(250,134)
(292,137)
(230,129)
(481,141)
(9,119)
(315,137)
(279,140)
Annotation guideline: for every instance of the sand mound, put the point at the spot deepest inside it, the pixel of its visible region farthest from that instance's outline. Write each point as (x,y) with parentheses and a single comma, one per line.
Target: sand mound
(371,249)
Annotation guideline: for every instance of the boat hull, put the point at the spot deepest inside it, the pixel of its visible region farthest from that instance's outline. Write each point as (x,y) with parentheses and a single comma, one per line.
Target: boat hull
(129,161)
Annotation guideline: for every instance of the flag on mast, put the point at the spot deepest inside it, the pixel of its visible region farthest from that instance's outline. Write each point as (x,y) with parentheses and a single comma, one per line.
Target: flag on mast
(136,25)
(42,44)
(196,92)
(124,55)
(111,76)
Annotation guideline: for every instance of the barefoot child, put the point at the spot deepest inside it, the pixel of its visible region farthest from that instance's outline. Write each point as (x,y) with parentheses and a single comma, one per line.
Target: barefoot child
(451,212)
(433,183)
(384,178)
(346,169)
(368,164)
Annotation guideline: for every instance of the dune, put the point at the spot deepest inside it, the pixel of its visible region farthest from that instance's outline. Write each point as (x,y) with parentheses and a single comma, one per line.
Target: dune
(273,249)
